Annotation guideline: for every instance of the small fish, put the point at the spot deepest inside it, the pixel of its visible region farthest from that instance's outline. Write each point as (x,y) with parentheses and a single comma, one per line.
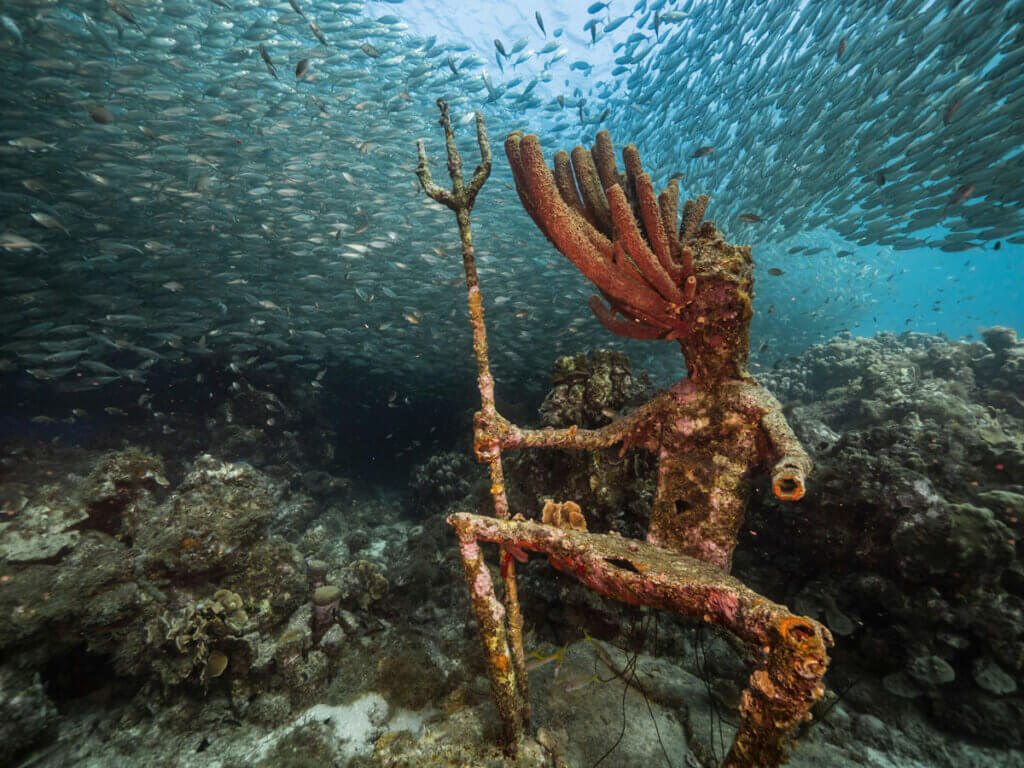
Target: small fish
(95,178)
(31,143)
(581,681)
(775,271)
(879,178)
(538,660)
(961,194)
(998,245)
(948,117)
(14,242)
(317,33)
(100,114)
(611,26)
(500,48)
(370,51)
(97,33)
(595,7)
(842,49)
(50,222)
(11,27)
(301,69)
(451,66)
(173,286)
(532,664)
(122,11)
(412,319)
(266,59)
(540,23)
(702,152)
(751,218)
(295,7)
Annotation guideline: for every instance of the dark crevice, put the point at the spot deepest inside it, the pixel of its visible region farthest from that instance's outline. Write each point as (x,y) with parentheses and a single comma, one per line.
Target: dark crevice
(77,674)
(104,516)
(623,563)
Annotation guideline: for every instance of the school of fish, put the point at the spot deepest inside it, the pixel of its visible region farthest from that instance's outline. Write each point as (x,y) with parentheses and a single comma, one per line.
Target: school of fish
(233,180)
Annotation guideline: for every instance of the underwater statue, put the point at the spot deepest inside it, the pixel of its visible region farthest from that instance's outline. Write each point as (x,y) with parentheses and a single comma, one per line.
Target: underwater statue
(709,432)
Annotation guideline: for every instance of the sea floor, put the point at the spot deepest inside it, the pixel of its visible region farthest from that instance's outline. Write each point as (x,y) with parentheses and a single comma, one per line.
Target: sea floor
(583,714)
(222,600)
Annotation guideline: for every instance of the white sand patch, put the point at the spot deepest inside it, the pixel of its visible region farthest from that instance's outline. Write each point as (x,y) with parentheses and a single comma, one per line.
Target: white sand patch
(355,726)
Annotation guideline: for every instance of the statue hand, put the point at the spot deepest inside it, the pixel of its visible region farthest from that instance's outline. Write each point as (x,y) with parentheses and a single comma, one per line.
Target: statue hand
(489,430)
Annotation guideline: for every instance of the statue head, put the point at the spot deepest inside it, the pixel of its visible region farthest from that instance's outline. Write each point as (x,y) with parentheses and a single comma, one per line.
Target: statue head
(661,278)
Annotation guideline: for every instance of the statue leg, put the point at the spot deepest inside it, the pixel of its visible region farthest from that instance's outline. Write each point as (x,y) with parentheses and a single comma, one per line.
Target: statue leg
(509,692)
(780,692)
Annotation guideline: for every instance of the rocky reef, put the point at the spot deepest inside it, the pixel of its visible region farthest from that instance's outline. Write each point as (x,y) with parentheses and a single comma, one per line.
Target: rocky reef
(206,612)
(184,591)
(616,491)
(909,544)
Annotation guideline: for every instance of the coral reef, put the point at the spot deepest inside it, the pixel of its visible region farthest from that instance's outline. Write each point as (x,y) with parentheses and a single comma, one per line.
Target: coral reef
(912,539)
(441,480)
(202,633)
(389,667)
(615,488)
(180,588)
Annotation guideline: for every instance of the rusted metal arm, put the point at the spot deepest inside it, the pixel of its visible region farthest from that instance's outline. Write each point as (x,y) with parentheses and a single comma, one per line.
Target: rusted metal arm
(789,463)
(494,432)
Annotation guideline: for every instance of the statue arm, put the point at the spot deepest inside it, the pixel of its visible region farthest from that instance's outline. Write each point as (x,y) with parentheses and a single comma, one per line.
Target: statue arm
(495,433)
(787,460)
